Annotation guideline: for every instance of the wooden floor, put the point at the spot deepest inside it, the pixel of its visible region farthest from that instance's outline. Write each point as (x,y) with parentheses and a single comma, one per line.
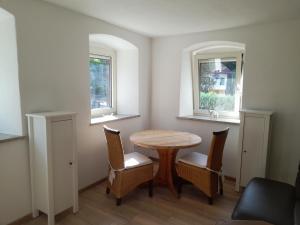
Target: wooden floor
(97,208)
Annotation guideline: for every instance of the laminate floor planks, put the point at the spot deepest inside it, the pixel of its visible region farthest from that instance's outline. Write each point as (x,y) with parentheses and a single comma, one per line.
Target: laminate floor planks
(97,208)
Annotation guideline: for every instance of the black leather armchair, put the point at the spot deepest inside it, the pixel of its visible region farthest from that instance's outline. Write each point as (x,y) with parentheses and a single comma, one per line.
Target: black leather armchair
(270,201)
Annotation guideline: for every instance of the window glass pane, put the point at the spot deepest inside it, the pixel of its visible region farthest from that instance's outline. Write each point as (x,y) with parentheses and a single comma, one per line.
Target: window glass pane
(217,84)
(101,81)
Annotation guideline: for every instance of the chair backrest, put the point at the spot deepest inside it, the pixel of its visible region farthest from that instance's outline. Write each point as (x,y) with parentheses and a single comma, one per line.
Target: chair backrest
(215,154)
(115,148)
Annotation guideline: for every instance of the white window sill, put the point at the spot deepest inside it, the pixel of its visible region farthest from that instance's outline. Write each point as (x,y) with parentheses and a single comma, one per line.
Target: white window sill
(206,118)
(9,137)
(110,118)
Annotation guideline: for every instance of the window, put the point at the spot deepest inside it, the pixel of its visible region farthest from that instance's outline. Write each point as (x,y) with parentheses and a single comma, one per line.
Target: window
(102,84)
(216,84)
(114,78)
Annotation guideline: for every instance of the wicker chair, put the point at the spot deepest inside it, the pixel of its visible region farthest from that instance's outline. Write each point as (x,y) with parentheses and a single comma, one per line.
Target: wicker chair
(126,171)
(204,171)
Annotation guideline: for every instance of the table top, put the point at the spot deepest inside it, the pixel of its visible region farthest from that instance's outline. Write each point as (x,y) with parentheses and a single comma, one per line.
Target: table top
(165,139)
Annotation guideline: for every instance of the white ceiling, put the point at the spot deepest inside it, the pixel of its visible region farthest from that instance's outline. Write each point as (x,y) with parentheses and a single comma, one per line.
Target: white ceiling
(169,17)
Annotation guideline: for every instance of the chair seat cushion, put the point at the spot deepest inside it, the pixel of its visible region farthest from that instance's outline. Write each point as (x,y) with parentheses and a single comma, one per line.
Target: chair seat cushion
(267,200)
(194,159)
(135,159)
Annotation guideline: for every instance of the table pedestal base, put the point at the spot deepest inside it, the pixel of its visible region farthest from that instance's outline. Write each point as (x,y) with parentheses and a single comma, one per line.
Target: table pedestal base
(166,172)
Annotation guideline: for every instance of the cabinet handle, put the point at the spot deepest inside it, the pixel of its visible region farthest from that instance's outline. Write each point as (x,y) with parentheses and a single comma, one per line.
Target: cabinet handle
(70,163)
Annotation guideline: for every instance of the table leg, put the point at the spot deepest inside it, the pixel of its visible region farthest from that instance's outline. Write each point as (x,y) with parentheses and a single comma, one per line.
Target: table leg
(166,171)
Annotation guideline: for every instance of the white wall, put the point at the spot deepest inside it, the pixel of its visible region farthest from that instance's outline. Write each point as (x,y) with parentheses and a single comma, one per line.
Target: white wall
(127,82)
(271,81)
(10,113)
(53,50)
(14,175)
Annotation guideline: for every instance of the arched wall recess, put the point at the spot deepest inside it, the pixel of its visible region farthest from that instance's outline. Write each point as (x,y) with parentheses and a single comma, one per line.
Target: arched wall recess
(10,104)
(127,70)
(186,81)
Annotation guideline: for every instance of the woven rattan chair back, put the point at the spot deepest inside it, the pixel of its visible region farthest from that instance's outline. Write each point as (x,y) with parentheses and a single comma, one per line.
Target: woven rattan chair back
(115,148)
(215,154)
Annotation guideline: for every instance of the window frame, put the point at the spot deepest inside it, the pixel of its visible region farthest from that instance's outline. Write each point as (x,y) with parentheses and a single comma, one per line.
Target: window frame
(195,78)
(99,112)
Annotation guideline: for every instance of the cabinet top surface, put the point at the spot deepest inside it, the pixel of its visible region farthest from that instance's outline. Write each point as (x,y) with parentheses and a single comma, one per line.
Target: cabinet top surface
(50,114)
(262,112)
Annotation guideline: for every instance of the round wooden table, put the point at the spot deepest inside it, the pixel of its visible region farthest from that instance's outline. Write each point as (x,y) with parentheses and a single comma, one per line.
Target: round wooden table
(166,143)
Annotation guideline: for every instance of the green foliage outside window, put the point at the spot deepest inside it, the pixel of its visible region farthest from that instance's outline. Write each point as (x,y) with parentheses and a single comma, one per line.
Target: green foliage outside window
(214,101)
(100,82)
(216,93)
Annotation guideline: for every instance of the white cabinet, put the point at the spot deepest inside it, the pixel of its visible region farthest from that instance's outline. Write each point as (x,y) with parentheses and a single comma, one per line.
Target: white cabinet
(53,163)
(254,141)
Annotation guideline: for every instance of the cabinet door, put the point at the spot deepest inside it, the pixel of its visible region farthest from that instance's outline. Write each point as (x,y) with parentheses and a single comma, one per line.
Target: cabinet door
(252,152)
(62,146)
